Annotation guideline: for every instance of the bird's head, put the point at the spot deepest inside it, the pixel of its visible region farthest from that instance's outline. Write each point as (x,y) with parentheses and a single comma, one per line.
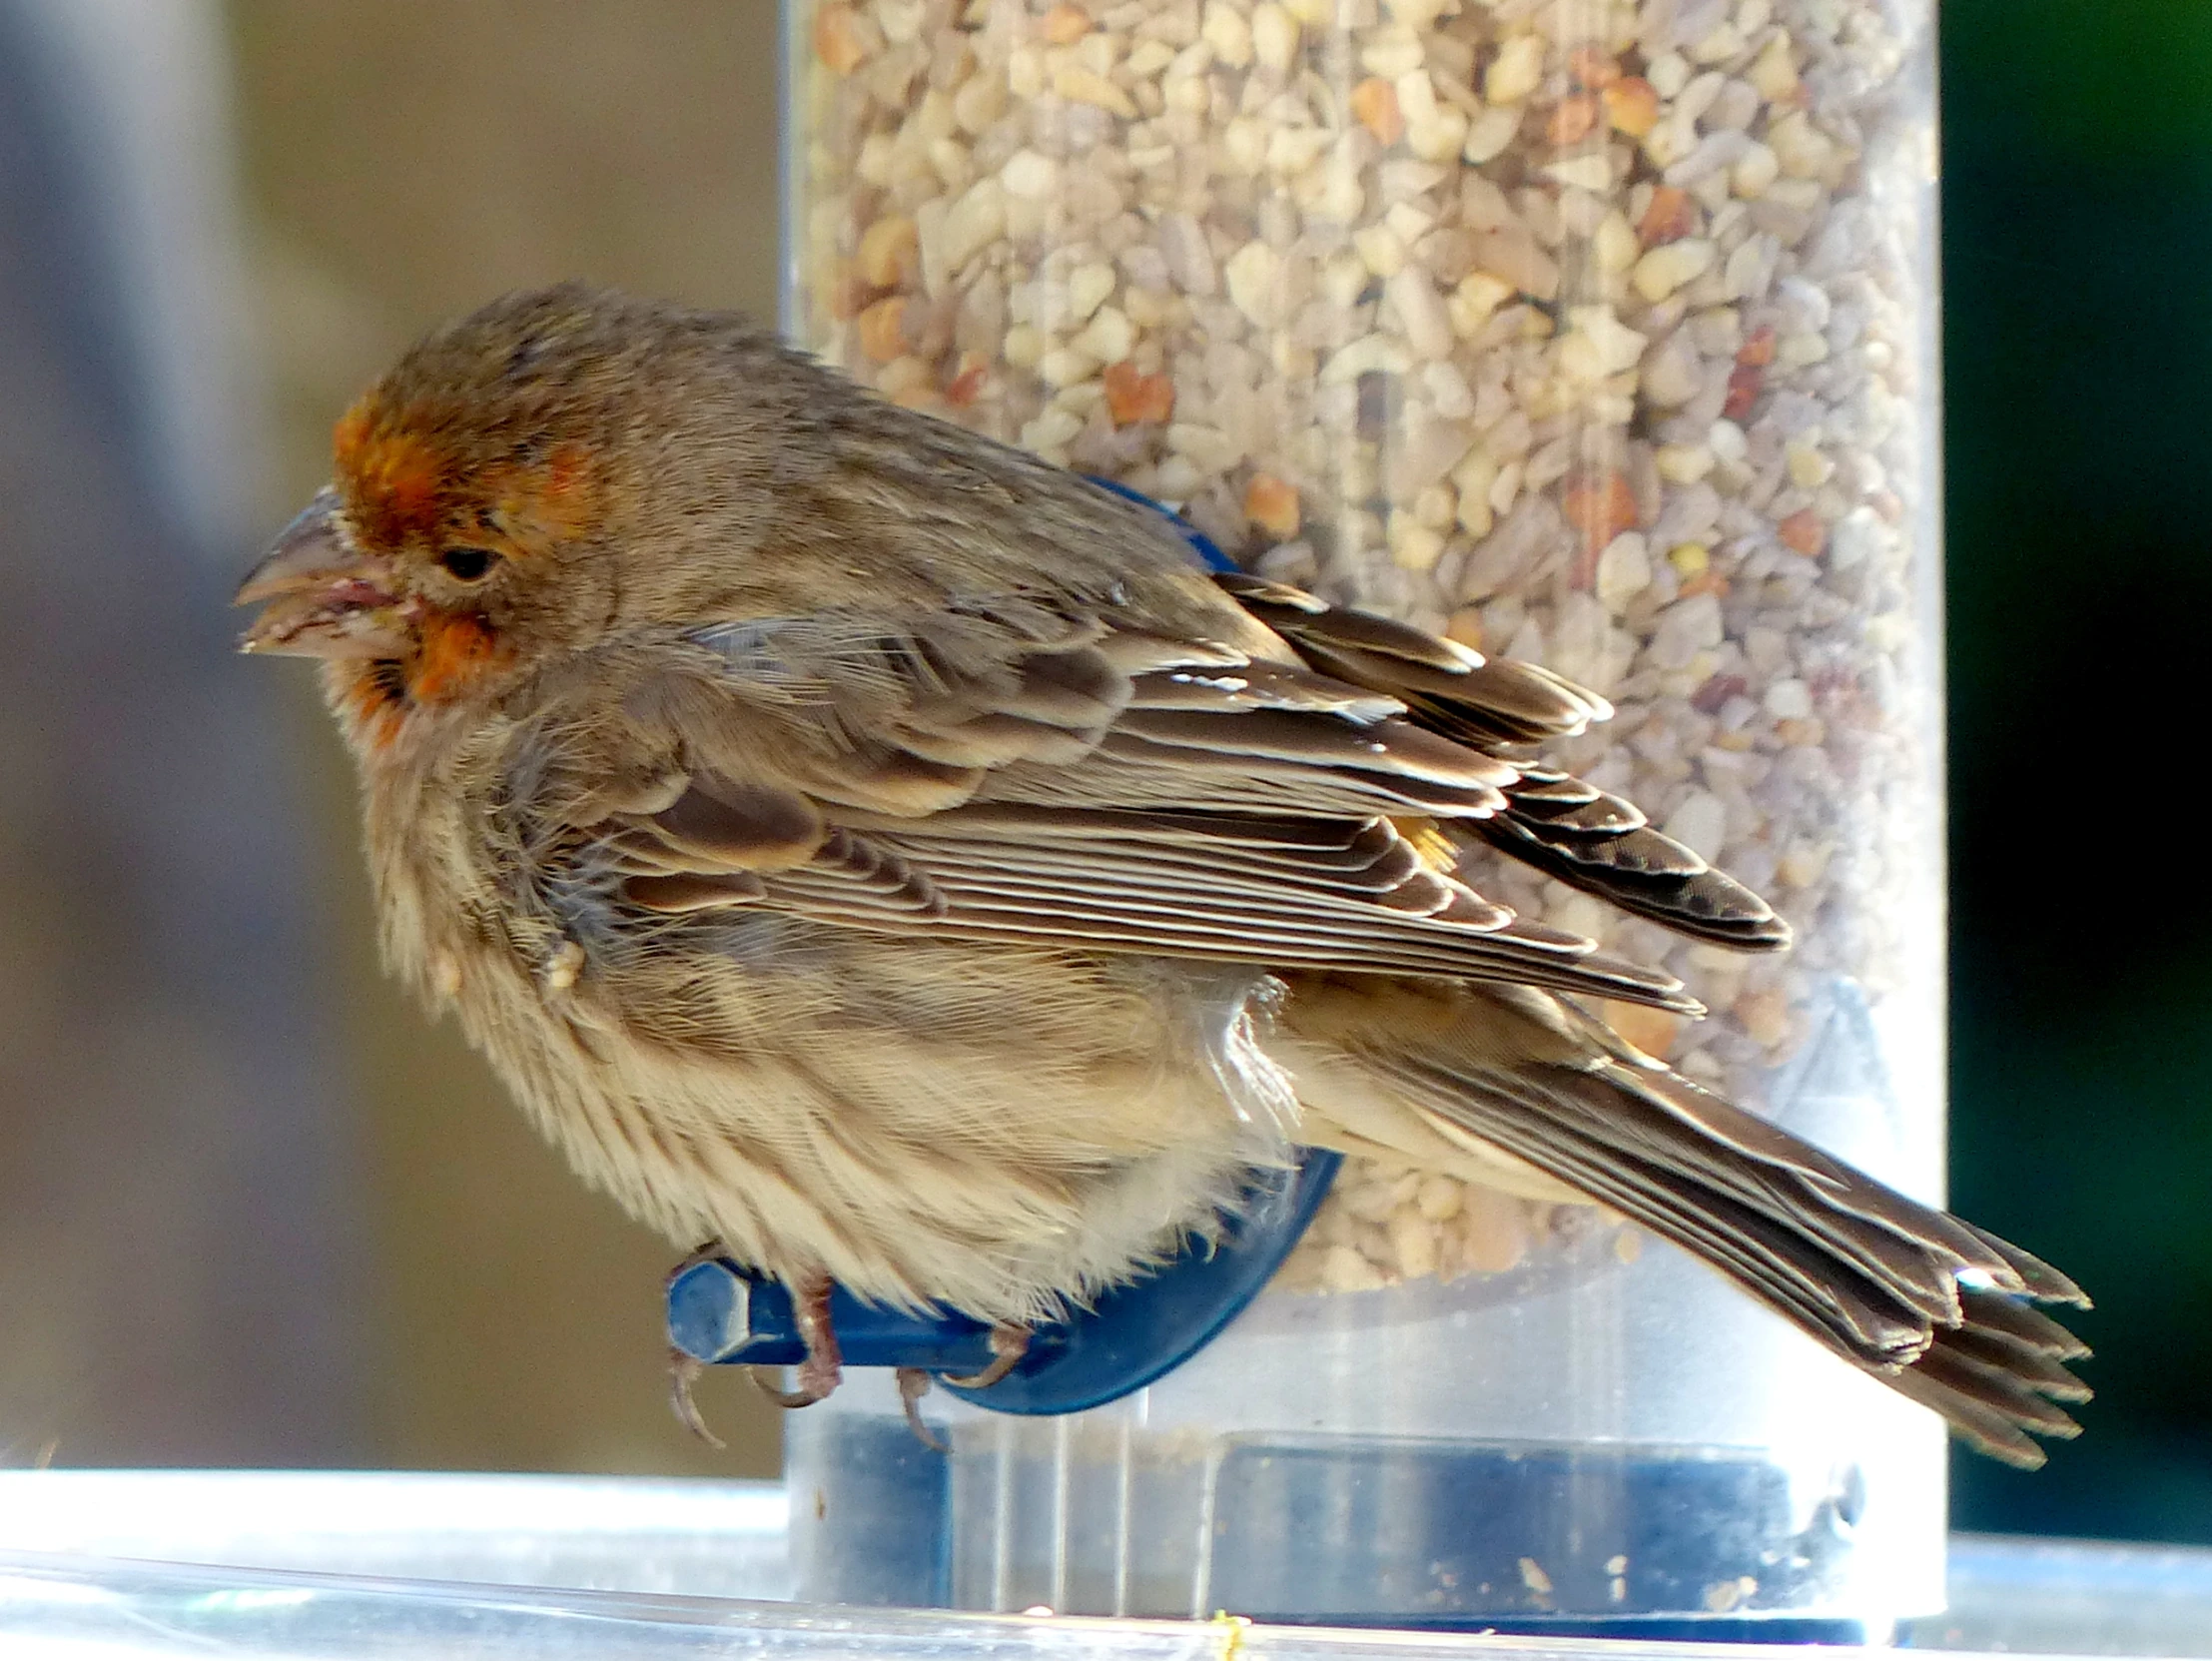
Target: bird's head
(521,482)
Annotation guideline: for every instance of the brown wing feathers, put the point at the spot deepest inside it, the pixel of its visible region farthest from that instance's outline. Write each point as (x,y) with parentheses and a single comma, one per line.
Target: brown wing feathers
(1484,702)
(1377,717)
(1311,894)
(1181,758)
(1557,823)
(1599,843)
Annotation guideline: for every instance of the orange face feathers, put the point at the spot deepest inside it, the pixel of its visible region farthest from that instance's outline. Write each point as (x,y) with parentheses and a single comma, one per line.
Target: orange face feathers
(456,650)
(396,482)
(409,491)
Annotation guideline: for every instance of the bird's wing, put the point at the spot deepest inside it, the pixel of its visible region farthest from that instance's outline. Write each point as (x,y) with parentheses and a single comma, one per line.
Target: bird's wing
(1000,772)
(1563,826)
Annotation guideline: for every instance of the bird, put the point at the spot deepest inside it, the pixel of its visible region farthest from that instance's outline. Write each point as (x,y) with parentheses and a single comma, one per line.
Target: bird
(890,857)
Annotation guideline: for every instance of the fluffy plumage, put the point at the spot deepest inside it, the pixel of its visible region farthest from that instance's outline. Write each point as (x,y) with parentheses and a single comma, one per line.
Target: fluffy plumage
(875,849)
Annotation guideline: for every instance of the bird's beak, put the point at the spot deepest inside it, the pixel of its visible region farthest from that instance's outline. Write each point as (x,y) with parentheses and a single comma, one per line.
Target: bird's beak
(319,596)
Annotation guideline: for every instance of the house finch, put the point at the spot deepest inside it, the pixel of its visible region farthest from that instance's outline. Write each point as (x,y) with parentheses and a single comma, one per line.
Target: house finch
(885,854)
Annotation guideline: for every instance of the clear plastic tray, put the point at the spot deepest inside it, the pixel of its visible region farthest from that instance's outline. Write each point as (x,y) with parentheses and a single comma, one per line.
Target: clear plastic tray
(338,1565)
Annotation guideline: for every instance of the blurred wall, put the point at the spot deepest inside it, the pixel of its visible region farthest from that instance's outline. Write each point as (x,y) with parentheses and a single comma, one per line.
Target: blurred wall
(403,161)
(180,1190)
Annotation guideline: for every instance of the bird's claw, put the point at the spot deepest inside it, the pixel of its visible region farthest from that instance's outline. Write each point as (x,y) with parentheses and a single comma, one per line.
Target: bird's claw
(683,1371)
(913,1385)
(764,1380)
(1007,1346)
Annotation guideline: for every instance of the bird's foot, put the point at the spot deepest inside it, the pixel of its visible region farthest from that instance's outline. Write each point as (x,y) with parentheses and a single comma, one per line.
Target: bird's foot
(683,1370)
(913,1385)
(1007,1346)
(824,1366)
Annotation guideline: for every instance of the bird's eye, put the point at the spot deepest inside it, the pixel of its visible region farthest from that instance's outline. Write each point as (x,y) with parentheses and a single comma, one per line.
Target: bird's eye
(468,565)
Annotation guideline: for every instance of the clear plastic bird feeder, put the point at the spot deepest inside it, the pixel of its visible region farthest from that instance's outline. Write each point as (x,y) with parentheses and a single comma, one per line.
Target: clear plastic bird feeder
(1591,332)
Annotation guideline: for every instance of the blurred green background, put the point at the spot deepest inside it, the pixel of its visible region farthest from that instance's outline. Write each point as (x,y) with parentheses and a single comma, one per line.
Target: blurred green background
(2078,333)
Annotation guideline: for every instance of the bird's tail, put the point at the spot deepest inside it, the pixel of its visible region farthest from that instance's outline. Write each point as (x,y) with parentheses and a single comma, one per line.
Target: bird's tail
(1934,1306)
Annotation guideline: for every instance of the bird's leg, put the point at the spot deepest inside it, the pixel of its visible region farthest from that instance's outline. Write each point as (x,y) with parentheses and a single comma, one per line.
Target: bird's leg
(913,1385)
(824,1366)
(684,1370)
(1007,1346)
